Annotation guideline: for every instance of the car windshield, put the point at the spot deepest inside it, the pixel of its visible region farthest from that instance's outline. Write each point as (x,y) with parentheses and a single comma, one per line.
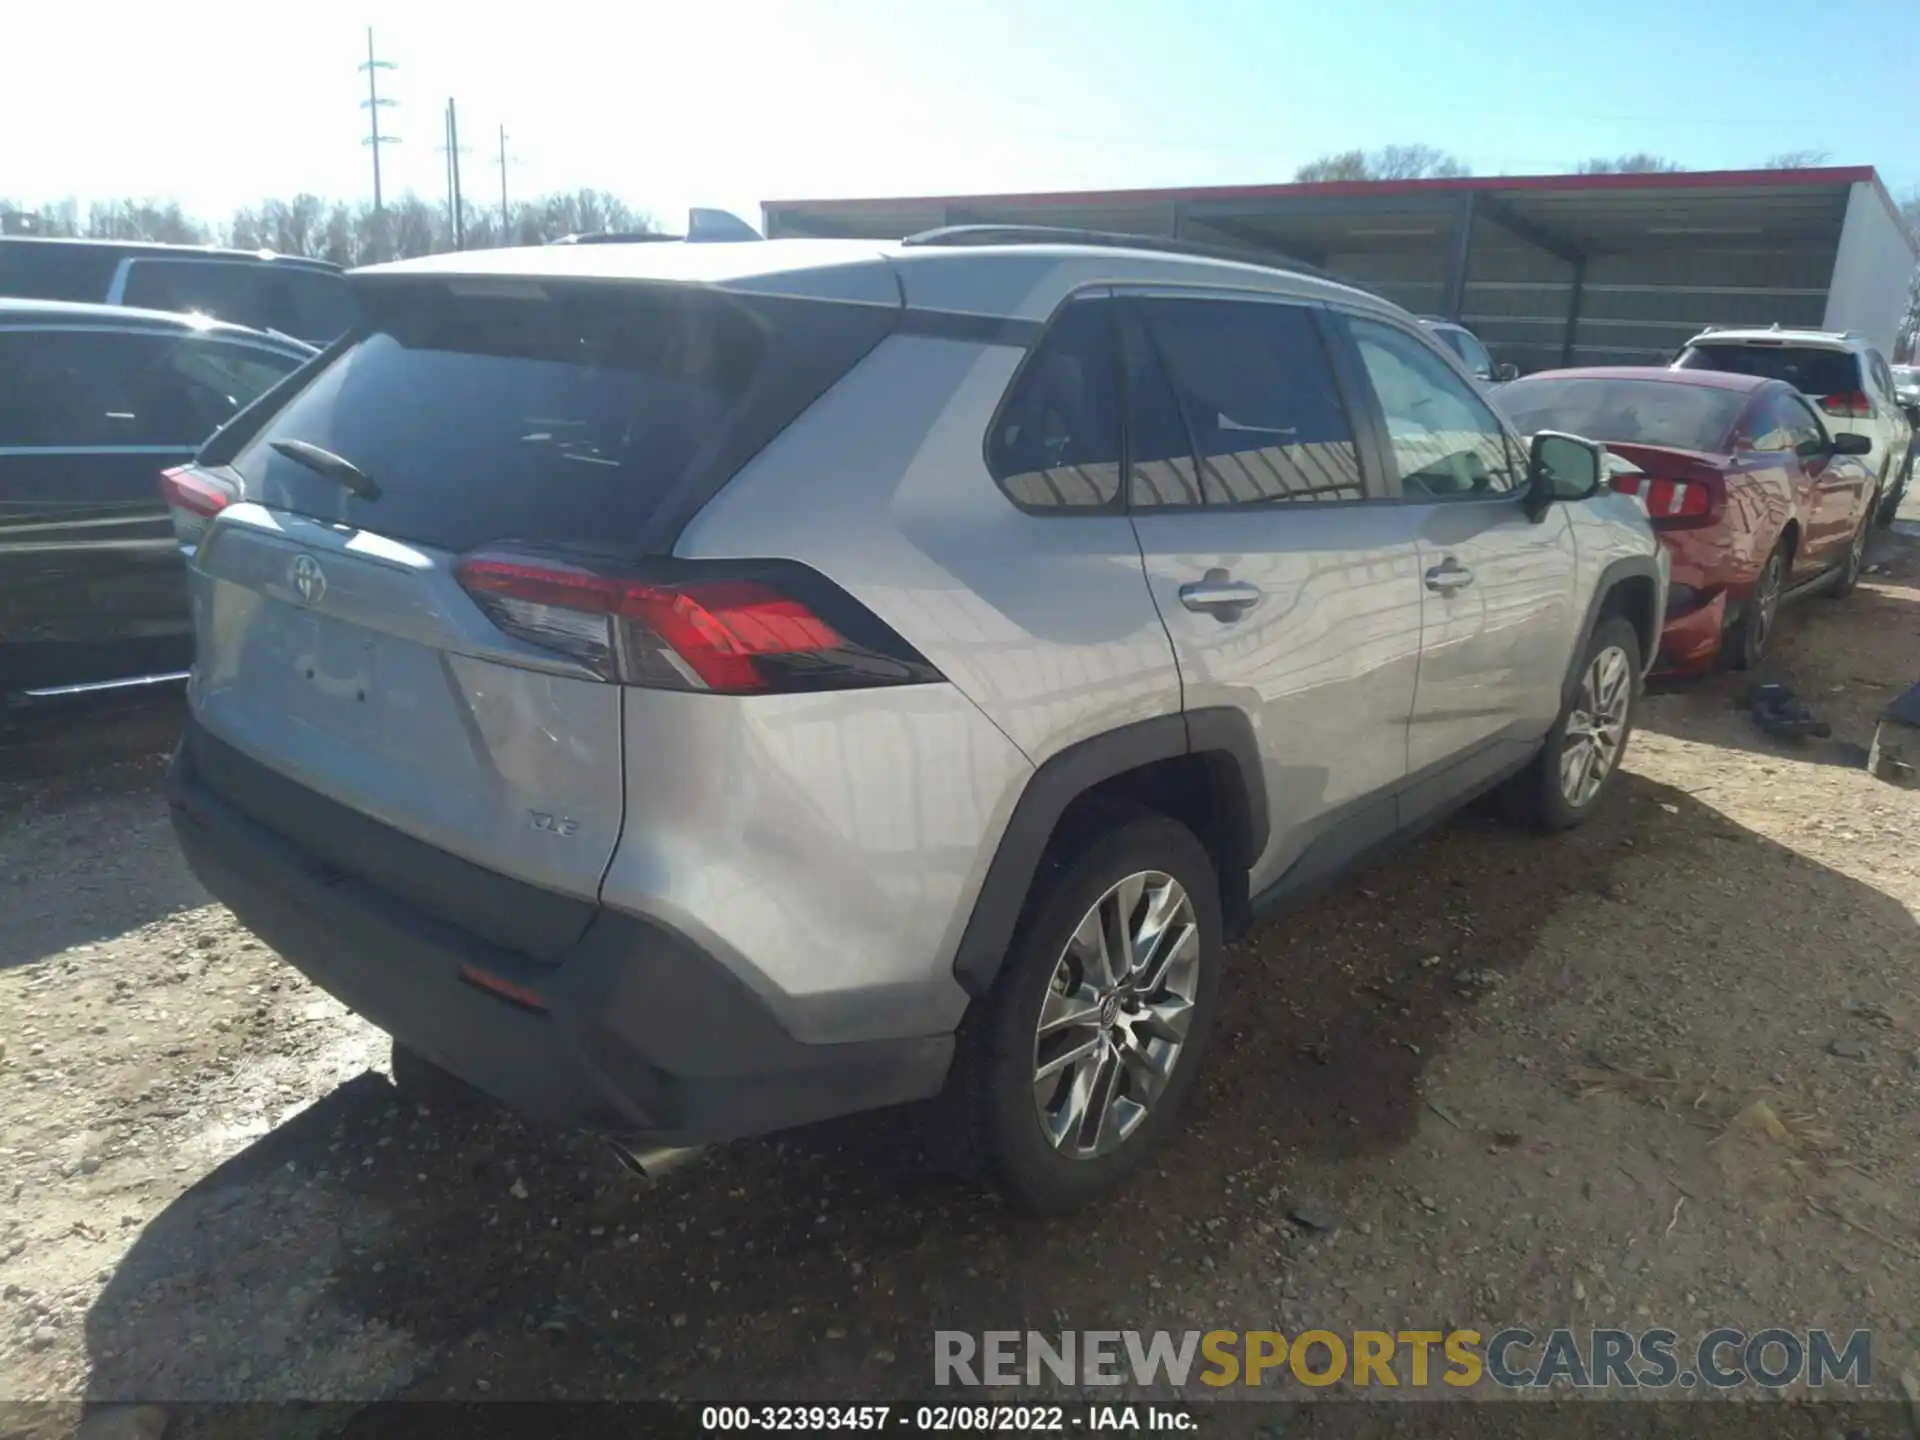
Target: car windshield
(1810,369)
(1670,413)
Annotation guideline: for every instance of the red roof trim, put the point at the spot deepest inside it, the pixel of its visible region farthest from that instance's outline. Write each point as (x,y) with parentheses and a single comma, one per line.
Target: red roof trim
(1670,180)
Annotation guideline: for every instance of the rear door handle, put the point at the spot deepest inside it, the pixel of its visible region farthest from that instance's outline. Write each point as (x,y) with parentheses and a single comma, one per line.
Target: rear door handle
(1448,576)
(1220,597)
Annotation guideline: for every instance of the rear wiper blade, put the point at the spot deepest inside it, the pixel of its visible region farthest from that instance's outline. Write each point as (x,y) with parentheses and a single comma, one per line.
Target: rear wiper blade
(337,468)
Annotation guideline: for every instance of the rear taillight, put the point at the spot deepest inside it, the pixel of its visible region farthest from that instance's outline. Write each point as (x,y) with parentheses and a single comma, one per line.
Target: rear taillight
(733,629)
(1856,405)
(1669,500)
(193,498)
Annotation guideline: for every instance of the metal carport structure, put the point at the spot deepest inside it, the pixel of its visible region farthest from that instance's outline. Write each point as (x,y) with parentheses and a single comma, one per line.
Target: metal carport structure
(1548,269)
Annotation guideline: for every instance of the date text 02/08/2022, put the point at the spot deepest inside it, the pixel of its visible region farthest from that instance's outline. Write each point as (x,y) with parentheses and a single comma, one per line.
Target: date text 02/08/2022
(947,1419)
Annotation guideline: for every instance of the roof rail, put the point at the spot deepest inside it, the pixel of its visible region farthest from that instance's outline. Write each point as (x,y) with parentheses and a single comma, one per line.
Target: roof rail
(961,235)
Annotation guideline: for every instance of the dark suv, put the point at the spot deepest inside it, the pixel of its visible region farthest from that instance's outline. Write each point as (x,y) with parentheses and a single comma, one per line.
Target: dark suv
(307,299)
(95,402)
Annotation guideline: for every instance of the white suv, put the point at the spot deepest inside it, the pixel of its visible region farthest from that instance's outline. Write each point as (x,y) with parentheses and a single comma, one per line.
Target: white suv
(1839,371)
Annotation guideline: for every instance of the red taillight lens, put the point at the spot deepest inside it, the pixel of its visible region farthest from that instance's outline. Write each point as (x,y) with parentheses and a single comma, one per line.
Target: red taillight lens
(193,498)
(1668,499)
(187,489)
(730,634)
(1857,405)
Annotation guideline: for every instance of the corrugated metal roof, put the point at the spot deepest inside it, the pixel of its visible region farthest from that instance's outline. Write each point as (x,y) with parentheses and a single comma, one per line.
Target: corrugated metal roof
(1830,175)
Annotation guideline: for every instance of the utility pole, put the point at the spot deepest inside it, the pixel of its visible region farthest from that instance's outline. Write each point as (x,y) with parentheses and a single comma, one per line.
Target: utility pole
(372,105)
(454,207)
(506,221)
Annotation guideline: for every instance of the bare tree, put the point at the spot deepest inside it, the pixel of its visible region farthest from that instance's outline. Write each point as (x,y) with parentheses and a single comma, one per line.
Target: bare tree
(1415,162)
(345,233)
(143,220)
(1391,162)
(1639,163)
(1347,165)
(1797,160)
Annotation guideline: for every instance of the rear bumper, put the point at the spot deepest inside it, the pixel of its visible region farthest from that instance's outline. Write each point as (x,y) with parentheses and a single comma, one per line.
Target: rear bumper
(644,1037)
(1690,642)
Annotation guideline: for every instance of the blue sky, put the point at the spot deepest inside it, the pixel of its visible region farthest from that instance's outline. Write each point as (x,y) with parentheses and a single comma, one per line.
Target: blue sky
(730,102)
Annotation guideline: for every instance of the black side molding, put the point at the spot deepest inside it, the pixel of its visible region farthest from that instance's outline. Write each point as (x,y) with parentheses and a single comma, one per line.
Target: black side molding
(1629,567)
(958,325)
(1222,738)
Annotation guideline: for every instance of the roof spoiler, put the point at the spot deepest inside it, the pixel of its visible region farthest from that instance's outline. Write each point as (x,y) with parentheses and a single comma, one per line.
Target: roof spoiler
(704,227)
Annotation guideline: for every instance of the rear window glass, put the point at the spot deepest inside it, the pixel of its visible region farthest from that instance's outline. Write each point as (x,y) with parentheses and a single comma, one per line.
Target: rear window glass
(568,417)
(1809,369)
(1644,412)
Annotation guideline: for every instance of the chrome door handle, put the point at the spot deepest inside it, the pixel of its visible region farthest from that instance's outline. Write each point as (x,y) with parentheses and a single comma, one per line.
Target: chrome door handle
(1220,597)
(1448,576)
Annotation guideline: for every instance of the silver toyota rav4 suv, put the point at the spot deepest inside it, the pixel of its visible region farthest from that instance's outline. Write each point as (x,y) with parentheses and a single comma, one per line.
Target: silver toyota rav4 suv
(692,690)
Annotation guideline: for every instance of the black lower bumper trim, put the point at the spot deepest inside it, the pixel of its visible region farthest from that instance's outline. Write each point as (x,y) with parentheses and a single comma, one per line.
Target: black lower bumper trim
(645,1038)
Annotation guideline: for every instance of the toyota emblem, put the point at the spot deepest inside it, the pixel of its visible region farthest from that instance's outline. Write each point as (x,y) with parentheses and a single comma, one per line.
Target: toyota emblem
(309,580)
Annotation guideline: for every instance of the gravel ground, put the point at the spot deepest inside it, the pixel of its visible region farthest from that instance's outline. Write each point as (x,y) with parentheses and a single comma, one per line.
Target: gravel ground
(1492,1081)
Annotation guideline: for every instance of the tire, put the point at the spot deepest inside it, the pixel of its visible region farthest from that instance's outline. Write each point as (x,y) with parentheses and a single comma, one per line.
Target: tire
(999,1118)
(421,1082)
(1543,796)
(1745,643)
(1855,560)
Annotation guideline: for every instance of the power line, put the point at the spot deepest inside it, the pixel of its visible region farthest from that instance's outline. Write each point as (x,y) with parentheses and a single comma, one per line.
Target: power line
(372,105)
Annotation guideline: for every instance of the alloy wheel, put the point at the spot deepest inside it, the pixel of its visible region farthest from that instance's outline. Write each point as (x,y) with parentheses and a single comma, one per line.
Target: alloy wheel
(1596,726)
(1116,1015)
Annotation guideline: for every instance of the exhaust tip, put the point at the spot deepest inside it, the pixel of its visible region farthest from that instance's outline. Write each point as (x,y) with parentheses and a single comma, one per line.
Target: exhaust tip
(651,1162)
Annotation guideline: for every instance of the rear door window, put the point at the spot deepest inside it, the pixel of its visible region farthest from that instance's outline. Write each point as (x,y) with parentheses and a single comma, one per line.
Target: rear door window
(1254,385)
(1812,370)
(570,415)
(111,389)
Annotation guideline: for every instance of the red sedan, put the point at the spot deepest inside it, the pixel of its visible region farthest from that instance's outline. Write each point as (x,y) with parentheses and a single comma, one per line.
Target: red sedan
(1756,501)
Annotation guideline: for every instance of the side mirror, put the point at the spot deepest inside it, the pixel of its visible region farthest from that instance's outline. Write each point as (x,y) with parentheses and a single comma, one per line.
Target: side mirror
(1562,467)
(1848,444)
(1506,370)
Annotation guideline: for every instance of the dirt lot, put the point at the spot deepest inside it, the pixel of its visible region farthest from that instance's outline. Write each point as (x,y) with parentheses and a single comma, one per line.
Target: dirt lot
(1495,1081)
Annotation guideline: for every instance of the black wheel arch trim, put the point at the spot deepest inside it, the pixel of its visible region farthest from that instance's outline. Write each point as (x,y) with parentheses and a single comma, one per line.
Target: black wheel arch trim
(1628,567)
(1222,738)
